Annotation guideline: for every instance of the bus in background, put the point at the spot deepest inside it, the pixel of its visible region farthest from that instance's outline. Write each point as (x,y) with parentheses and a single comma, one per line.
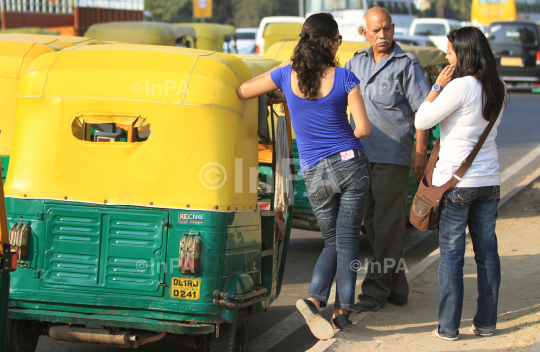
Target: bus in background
(528,10)
(349,14)
(487,11)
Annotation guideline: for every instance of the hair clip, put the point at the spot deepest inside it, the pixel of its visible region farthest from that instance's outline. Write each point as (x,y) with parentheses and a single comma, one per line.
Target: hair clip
(303,35)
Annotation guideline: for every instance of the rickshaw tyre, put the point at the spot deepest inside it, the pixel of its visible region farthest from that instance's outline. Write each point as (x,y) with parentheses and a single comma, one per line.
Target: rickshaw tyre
(22,335)
(228,332)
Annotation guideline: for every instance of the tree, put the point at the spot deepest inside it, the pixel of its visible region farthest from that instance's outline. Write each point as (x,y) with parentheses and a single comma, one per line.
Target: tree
(241,13)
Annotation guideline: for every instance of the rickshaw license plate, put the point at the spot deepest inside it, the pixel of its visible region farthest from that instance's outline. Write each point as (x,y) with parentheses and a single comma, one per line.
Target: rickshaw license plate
(511,61)
(185,288)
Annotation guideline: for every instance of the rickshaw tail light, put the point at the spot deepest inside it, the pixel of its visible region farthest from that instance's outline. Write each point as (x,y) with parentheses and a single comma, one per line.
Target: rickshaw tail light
(189,252)
(18,239)
(538,58)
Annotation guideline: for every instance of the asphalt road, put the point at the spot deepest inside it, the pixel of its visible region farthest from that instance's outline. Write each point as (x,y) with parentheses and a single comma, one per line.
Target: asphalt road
(278,330)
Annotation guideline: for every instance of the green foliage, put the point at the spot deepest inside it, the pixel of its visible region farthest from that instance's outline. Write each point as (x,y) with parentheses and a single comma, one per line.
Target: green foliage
(241,13)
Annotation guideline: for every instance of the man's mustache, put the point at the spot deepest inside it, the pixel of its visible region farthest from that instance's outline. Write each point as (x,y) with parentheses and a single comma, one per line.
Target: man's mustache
(382,41)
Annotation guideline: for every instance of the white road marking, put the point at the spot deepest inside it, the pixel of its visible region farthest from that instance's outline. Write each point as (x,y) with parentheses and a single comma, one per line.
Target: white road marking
(294,321)
(520,164)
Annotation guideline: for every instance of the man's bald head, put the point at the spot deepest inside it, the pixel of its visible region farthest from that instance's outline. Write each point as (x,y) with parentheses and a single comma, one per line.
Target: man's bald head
(376,11)
(379,29)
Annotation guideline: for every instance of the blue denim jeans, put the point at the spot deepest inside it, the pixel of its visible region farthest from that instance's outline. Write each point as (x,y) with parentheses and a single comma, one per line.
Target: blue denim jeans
(337,190)
(477,209)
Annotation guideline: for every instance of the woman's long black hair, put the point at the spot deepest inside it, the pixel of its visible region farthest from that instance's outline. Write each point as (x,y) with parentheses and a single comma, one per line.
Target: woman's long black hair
(313,54)
(475,58)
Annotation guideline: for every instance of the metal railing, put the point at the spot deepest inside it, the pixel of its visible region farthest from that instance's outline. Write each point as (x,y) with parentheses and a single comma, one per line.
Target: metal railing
(66,6)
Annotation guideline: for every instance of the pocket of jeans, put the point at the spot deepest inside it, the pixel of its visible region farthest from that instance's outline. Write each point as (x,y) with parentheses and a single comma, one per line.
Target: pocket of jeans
(356,176)
(495,194)
(316,191)
(462,196)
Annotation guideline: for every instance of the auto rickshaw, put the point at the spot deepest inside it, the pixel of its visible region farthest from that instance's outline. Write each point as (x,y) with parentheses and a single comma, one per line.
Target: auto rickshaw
(209,37)
(151,33)
(139,191)
(16,54)
(184,36)
(229,37)
(280,31)
(431,59)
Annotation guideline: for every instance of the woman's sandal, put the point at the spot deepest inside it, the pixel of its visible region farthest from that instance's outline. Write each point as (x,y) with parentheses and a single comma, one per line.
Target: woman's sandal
(320,327)
(478,332)
(435,333)
(342,322)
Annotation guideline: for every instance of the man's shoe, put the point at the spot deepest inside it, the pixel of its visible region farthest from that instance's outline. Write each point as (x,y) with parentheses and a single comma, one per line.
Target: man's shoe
(396,302)
(368,303)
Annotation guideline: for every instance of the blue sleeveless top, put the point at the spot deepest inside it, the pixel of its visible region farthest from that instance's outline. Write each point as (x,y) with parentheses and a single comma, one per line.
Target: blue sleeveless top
(321,125)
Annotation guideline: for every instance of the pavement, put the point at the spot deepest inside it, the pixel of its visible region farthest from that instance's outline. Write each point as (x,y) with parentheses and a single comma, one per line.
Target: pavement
(408,328)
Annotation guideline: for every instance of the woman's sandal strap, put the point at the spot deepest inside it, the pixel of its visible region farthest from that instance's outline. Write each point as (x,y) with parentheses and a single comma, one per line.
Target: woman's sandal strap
(342,322)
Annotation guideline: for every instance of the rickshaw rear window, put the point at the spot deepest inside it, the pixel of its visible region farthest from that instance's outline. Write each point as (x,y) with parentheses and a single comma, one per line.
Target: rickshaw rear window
(103,128)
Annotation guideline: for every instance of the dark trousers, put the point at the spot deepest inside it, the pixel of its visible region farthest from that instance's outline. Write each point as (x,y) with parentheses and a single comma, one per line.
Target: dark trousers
(384,218)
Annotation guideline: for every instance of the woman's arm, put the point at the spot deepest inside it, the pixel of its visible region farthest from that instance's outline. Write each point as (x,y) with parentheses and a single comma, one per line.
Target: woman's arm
(358,111)
(256,86)
(438,105)
(259,85)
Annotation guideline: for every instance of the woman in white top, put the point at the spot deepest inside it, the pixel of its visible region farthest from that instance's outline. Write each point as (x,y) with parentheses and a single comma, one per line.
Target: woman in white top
(473,94)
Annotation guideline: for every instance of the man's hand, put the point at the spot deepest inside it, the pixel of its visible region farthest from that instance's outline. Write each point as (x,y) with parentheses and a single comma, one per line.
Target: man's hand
(418,165)
(276,97)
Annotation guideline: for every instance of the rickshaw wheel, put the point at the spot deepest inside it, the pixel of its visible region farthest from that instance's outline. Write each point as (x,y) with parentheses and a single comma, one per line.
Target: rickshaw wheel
(232,337)
(22,335)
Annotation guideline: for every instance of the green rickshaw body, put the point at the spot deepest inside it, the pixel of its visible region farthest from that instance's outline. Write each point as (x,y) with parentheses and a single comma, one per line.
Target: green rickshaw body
(109,225)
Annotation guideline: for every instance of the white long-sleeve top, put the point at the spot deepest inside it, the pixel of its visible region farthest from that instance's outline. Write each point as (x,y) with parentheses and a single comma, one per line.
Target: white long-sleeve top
(458,110)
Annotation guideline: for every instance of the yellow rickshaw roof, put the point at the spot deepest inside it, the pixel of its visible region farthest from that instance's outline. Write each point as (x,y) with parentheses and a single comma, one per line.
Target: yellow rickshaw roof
(29,30)
(48,39)
(204,30)
(181,31)
(428,56)
(15,57)
(287,29)
(152,33)
(199,129)
(225,29)
(92,63)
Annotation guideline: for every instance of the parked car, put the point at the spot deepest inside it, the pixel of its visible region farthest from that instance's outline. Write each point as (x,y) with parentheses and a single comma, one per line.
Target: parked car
(246,39)
(435,28)
(413,40)
(480,26)
(259,49)
(516,48)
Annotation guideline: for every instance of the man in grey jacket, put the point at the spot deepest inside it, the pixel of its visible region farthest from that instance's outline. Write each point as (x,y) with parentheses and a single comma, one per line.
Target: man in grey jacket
(393,87)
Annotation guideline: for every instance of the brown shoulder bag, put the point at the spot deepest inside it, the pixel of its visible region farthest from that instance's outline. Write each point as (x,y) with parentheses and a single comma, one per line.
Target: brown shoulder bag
(425,208)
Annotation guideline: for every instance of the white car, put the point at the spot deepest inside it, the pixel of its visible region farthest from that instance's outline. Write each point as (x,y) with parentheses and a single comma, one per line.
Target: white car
(246,40)
(259,48)
(435,28)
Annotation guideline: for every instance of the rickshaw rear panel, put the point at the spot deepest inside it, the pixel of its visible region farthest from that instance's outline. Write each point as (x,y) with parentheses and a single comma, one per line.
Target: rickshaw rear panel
(134,233)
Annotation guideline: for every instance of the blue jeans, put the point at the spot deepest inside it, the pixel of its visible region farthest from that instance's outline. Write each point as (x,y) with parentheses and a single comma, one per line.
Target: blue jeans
(337,190)
(477,209)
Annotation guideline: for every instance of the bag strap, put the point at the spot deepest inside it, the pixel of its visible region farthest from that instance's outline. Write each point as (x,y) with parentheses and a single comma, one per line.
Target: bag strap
(467,163)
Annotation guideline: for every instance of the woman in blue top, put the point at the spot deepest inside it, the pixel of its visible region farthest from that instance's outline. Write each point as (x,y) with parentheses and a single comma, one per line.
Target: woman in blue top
(332,160)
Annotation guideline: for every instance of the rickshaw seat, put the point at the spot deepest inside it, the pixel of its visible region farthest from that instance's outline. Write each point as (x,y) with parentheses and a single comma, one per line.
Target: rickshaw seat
(264,205)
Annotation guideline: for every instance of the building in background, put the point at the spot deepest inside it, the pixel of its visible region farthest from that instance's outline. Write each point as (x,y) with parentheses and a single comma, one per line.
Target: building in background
(69,17)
